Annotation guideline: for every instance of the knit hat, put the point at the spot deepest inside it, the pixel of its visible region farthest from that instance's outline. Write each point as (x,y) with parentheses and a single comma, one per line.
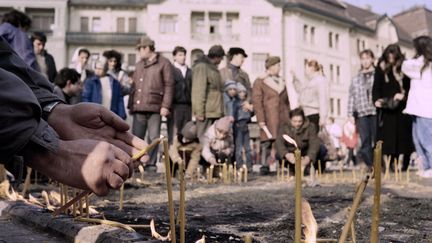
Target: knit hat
(237,50)
(272,61)
(229,84)
(145,41)
(241,87)
(216,51)
(189,131)
(224,123)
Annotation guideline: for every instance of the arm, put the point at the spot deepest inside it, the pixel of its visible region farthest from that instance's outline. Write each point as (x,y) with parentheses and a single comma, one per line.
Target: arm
(377,85)
(282,147)
(168,81)
(412,68)
(229,145)
(121,112)
(87,90)
(351,99)
(174,151)
(205,142)
(199,87)
(323,100)
(257,99)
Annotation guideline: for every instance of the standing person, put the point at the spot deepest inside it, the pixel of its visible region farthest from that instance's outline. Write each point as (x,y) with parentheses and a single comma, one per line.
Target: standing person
(242,118)
(13,30)
(114,60)
(44,59)
(419,70)
(350,139)
(233,71)
(271,105)
(151,94)
(79,62)
(67,84)
(182,102)
(207,85)
(389,94)
(230,97)
(313,93)
(104,89)
(361,109)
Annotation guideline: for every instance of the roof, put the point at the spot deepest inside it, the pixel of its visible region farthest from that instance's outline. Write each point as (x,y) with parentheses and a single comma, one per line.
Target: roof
(415,20)
(115,3)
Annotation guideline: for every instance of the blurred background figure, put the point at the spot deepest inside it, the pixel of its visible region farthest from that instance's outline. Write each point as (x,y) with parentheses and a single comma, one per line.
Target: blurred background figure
(44,59)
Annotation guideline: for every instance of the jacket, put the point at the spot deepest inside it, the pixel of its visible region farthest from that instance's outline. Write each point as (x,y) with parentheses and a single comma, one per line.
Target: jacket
(20,42)
(420,94)
(92,92)
(306,138)
(23,94)
(183,86)
(153,85)
(51,66)
(242,77)
(271,104)
(211,144)
(360,102)
(207,87)
(176,153)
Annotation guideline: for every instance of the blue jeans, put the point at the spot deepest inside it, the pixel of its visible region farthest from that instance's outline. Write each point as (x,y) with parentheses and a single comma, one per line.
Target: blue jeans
(367,126)
(242,140)
(422,136)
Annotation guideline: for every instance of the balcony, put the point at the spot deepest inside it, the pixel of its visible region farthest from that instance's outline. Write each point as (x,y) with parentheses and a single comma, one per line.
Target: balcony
(85,38)
(215,37)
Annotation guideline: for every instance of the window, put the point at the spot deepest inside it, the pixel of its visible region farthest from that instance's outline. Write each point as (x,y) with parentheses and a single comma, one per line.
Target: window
(132,25)
(260,25)
(42,19)
(131,59)
(337,41)
(338,74)
(167,23)
(312,38)
(120,25)
(198,23)
(338,107)
(363,45)
(84,24)
(258,62)
(214,19)
(330,39)
(305,33)
(332,106)
(331,73)
(231,23)
(358,46)
(96,24)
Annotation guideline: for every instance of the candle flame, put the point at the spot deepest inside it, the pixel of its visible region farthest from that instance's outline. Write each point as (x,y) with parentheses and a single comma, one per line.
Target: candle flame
(290,140)
(311,227)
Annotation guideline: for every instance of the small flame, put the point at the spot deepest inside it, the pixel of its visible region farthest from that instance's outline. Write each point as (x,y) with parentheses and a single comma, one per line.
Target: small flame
(202,240)
(311,227)
(156,235)
(290,140)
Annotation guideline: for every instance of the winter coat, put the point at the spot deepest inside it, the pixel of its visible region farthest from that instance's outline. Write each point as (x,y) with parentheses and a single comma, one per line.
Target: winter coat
(207,88)
(271,104)
(51,66)
(92,92)
(153,85)
(212,145)
(420,94)
(242,77)
(305,137)
(183,86)
(394,127)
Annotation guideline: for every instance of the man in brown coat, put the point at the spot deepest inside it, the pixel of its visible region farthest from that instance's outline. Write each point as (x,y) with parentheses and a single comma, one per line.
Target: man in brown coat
(151,93)
(207,100)
(271,105)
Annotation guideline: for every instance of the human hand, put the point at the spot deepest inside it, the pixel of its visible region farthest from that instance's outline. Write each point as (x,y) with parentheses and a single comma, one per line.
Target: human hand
(290,158)
(164,112)
(246,106)
(212,161)
(305,160)
(84,163)
(378,103)
(399,96)
(261,124)
(93,121)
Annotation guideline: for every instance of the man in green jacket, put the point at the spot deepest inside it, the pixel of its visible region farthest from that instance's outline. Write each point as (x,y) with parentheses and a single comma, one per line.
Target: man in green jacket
(207,85)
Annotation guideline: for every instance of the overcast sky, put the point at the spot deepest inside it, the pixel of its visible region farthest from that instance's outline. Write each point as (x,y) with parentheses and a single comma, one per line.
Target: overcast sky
(391,7)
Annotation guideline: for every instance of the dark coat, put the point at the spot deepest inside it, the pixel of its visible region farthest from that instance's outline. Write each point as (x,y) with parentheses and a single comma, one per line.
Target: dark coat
(183,87)
(51,66)
(394,127)
(306,138)
(271,105)
(92,92)
(153,85)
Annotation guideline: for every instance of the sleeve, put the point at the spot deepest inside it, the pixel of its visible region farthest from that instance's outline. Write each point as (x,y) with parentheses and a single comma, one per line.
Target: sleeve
(298,86)
(24,48)
(323,100)
(168,81)
(282,147)
(87,91)
(351,99)
(314,143)
(199,87)
(377,84)
(412,68)
(120,102)
(257,99)
(229,149)
(174,150)
(205,142)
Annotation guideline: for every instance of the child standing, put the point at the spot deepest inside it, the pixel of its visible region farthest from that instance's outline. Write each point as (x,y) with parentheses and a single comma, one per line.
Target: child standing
(241,130)
(229,97)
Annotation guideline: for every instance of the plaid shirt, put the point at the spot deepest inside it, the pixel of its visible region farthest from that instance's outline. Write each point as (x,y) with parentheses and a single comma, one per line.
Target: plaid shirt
(360,95)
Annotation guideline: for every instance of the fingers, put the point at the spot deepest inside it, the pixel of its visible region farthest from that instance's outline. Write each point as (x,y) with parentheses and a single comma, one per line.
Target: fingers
(125,159)
(120,169)
(114,181)
(113,120)
(133,141)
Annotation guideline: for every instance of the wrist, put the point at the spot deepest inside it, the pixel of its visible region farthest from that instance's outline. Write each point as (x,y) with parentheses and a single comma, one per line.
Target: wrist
(48,108)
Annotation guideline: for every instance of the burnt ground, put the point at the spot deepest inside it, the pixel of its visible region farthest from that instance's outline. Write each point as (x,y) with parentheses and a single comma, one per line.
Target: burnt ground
(264,208)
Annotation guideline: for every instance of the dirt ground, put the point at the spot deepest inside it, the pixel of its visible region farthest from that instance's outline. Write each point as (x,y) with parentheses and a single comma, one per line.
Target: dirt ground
(264,208)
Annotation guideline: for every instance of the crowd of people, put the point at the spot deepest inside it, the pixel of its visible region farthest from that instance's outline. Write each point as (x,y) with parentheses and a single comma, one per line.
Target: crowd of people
(208,110)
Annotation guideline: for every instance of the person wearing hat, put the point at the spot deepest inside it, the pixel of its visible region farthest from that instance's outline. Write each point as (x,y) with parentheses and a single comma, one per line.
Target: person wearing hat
(271,106)
(230,97)
(151,93)
(104,89)
(186,148)
(218,142)
(207,100)
(233,71)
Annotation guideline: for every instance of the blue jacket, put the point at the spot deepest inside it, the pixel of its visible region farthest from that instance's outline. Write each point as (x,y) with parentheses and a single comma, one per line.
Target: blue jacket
(20,43)
(92,92)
